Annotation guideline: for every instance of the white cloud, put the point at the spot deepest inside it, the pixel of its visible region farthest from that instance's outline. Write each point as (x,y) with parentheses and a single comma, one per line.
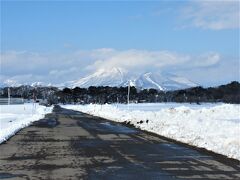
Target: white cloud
(135,59)
(215,15)
(206,60)
(29,67)
(156,60)
(225,71)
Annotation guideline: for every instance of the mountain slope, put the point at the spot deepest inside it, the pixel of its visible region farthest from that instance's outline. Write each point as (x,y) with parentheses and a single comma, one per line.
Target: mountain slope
(163,81)
(119,77)
(112,77)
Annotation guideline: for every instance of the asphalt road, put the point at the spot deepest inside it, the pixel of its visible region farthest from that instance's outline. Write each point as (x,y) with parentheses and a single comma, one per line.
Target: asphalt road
(72,145)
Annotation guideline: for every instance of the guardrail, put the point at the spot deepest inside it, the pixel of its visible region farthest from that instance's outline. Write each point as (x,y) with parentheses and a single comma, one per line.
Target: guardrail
(5,101)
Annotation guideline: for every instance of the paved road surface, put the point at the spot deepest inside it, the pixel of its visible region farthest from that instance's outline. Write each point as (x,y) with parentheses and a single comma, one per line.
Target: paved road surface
(71,145)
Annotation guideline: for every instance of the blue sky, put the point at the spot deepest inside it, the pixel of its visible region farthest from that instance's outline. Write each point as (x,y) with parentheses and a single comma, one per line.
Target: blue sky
(51,36)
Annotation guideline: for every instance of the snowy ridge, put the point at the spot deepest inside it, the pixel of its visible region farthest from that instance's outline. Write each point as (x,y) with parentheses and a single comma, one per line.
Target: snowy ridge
(163,81)
(214,127)
(10,83)
(14,83)
(102,77)
(117,77)
(151,81)
(145,81)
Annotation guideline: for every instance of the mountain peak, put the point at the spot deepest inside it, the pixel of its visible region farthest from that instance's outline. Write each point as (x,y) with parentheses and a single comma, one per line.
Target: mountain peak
(102,77)
(111,70)
(120,77)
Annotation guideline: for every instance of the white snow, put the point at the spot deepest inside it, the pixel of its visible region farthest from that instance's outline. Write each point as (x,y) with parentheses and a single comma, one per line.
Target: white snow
(148,78)
(102,77)
(215,127)
(15,117)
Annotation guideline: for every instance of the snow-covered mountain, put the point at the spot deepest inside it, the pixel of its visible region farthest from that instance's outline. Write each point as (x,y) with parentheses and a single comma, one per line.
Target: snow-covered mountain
(120,77)
(102,77)
(10,83)
(15,83)
(163,81)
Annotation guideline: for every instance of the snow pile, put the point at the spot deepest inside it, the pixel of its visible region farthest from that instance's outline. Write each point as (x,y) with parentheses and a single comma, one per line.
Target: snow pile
(215,127)
(15,117)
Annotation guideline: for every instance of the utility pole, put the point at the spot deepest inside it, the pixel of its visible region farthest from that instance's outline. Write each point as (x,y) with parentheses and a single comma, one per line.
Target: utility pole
(117,102)
(128,93)
(9,95)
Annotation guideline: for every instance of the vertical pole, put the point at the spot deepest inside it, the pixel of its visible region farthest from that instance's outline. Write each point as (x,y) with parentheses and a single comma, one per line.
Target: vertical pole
(117,102)
(34,100)
(9,95)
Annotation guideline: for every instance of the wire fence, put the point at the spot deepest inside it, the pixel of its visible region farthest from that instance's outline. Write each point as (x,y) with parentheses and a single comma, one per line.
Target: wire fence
(5,101)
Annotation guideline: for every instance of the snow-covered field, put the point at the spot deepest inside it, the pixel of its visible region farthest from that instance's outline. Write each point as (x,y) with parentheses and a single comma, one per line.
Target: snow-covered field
(215,127)
(15,117)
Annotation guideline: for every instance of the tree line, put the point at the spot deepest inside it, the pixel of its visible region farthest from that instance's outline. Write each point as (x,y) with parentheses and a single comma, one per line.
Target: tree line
(229,93)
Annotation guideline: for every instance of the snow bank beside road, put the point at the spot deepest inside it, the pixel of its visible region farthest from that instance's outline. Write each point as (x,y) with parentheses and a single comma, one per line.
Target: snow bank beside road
(15,117)
(215,127)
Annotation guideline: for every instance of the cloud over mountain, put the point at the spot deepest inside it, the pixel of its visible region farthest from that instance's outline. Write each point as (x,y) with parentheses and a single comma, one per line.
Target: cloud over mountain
(26,66)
